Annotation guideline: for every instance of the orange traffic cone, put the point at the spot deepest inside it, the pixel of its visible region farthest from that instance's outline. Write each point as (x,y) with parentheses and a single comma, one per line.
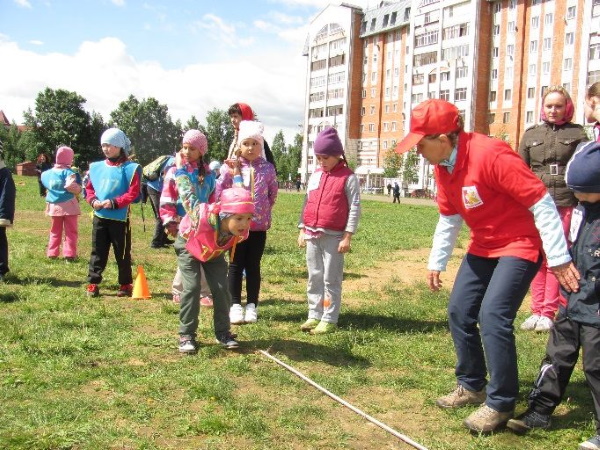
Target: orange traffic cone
(140,287)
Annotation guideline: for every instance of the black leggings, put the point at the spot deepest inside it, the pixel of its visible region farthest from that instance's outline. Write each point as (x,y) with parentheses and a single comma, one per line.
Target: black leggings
(247,257)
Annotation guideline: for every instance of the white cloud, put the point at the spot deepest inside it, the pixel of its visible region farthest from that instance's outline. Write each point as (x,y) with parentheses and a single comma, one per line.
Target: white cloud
(36,42)
(222,32)
(118,2)
(23,3)
(104,73)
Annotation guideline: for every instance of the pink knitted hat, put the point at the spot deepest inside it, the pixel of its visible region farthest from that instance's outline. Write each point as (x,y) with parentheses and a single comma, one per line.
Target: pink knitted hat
(196,139)
(64,156)
(236,201)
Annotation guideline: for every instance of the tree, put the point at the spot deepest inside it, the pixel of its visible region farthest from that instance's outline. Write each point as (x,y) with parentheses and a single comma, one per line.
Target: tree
(13,150)
(392,163)
(149,127)
(410,165)
(219,133)
(294,156)
(59,119)
(280,156)
(192,124)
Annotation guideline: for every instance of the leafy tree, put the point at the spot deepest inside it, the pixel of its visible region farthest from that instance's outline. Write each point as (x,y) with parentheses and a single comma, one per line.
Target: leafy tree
(219,133)
(149,127)
(192,124)
(59,119)
(410,167)
(280,155)
(14,152)
(392,163)
(294,156)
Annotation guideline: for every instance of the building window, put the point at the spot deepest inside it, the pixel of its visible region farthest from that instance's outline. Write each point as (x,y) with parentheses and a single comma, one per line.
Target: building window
(445,76)
(494,74)
(571,12)
(425,58)
(569,38)
(364,93)
(373,21)
(531,92)
(495,52)
(371,127)
(362,111)
(492,117)
(548,19)
(373,77)
(507,95)
(508,72)
(506,117)
(393,126)
(386,20)
(511,27)
(432,94)
(497,7)
(529,117)
(432,77)
(418,78)
(462,72)
(535,21)
(460,94)
(510,49)
(546,68)
(532,70)
(372,109)
(533,46)
(492,96)
(496,31)
(594,51)
(373,92)
(547,44)
(393,19)
(387,108)
(428,38)
(416,98)
(568,64)
(593,77)
(445,94)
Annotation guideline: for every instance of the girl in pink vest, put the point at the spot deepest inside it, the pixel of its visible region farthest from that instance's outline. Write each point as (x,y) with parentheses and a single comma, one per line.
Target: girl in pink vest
(329,219)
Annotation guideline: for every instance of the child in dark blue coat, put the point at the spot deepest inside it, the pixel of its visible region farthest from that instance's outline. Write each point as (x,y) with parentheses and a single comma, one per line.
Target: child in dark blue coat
(7,211)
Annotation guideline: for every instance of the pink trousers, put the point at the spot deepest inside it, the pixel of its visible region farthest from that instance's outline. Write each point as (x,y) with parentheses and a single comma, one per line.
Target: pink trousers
(69,224)
(545,287)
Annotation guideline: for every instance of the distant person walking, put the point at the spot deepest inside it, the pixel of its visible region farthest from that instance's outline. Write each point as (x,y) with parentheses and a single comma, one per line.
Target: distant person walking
(43,163)
(389,189)
(396,191)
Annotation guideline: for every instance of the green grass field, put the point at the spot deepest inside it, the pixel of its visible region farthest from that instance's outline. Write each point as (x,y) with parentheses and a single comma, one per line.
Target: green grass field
(79,373)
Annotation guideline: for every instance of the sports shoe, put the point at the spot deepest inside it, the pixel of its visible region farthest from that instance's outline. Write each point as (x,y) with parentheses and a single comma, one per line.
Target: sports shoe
(187,344)
(527,421)
(251,315)
(227,340)
(236,314)
(530,322)
(486,419)
(176,299)
(461,397)
(92,290)
(206,302)
(592,443)
(5,223)
(309,324)
(125,290)
(324,328)
(544,324)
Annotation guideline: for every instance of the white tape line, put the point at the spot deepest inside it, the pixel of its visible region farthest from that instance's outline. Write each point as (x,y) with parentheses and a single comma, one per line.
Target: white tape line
(345,403)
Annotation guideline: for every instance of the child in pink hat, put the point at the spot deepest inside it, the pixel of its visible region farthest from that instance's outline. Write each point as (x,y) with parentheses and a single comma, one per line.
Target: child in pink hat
(62,205)
(212,230)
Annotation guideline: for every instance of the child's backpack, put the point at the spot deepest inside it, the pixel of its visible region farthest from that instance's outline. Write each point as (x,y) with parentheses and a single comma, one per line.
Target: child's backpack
(152,171)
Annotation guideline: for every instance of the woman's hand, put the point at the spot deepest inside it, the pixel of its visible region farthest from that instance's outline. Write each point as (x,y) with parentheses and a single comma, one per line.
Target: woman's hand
(433,280)
(567,275)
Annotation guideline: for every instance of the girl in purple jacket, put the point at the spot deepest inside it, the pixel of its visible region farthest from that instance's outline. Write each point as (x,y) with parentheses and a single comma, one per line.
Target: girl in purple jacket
(253,172)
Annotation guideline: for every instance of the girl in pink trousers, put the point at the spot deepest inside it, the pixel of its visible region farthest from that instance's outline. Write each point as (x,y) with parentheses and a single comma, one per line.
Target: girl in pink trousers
(62,205)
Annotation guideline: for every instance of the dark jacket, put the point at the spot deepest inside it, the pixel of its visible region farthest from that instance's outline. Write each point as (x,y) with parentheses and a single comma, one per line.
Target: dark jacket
(7,195)
(546,149)
(584,306)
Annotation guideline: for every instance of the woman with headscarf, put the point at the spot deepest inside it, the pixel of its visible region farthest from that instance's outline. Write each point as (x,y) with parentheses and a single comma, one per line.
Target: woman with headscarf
(546,148)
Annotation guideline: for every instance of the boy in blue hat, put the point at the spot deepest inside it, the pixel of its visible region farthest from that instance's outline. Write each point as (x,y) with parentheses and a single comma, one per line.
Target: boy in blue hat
(578,324)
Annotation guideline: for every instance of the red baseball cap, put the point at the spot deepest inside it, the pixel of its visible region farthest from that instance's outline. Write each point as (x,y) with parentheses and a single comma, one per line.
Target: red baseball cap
(432,116)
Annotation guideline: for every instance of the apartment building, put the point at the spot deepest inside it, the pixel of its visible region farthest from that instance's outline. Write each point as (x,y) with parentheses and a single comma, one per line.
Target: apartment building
(492,58)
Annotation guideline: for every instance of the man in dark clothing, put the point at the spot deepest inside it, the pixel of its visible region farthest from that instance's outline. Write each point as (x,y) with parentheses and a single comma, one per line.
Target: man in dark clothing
(396,192)
(7,211)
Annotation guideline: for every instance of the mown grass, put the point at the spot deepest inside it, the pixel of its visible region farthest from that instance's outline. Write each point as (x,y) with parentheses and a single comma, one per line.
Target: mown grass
(78,373)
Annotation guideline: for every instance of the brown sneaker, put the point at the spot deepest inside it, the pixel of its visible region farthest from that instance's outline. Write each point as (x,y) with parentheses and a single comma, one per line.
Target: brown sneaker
(486,420)
(461,397)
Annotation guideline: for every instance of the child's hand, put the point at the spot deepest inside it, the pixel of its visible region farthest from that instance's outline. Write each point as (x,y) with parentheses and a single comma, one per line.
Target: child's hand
(301,241)
(344,245)
(179,162)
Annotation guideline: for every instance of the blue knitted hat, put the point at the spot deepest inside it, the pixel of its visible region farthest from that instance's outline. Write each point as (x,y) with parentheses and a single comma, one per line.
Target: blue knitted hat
(583,170)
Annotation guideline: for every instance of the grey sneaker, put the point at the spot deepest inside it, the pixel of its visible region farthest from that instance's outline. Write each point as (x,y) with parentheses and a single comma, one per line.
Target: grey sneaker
(227,340)
(486,420)
(527,421)
(461,397)
(592,443)
(188,344)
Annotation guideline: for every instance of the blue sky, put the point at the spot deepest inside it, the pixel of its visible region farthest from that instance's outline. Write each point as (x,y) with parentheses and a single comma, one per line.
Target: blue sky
(191,55)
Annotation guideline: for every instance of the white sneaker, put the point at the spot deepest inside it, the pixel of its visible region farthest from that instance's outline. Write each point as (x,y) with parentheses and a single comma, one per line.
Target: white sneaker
(530,323)
(251,313)
(544,324)
(236,314)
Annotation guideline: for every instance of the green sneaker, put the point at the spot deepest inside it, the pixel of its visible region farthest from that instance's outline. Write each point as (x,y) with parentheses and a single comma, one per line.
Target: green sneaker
(324,328)
(310,324)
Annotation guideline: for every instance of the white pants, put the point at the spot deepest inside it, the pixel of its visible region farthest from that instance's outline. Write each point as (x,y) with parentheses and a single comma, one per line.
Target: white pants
(325,274)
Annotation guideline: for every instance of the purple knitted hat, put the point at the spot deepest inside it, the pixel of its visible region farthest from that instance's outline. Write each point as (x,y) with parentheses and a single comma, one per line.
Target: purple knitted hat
(328,143)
